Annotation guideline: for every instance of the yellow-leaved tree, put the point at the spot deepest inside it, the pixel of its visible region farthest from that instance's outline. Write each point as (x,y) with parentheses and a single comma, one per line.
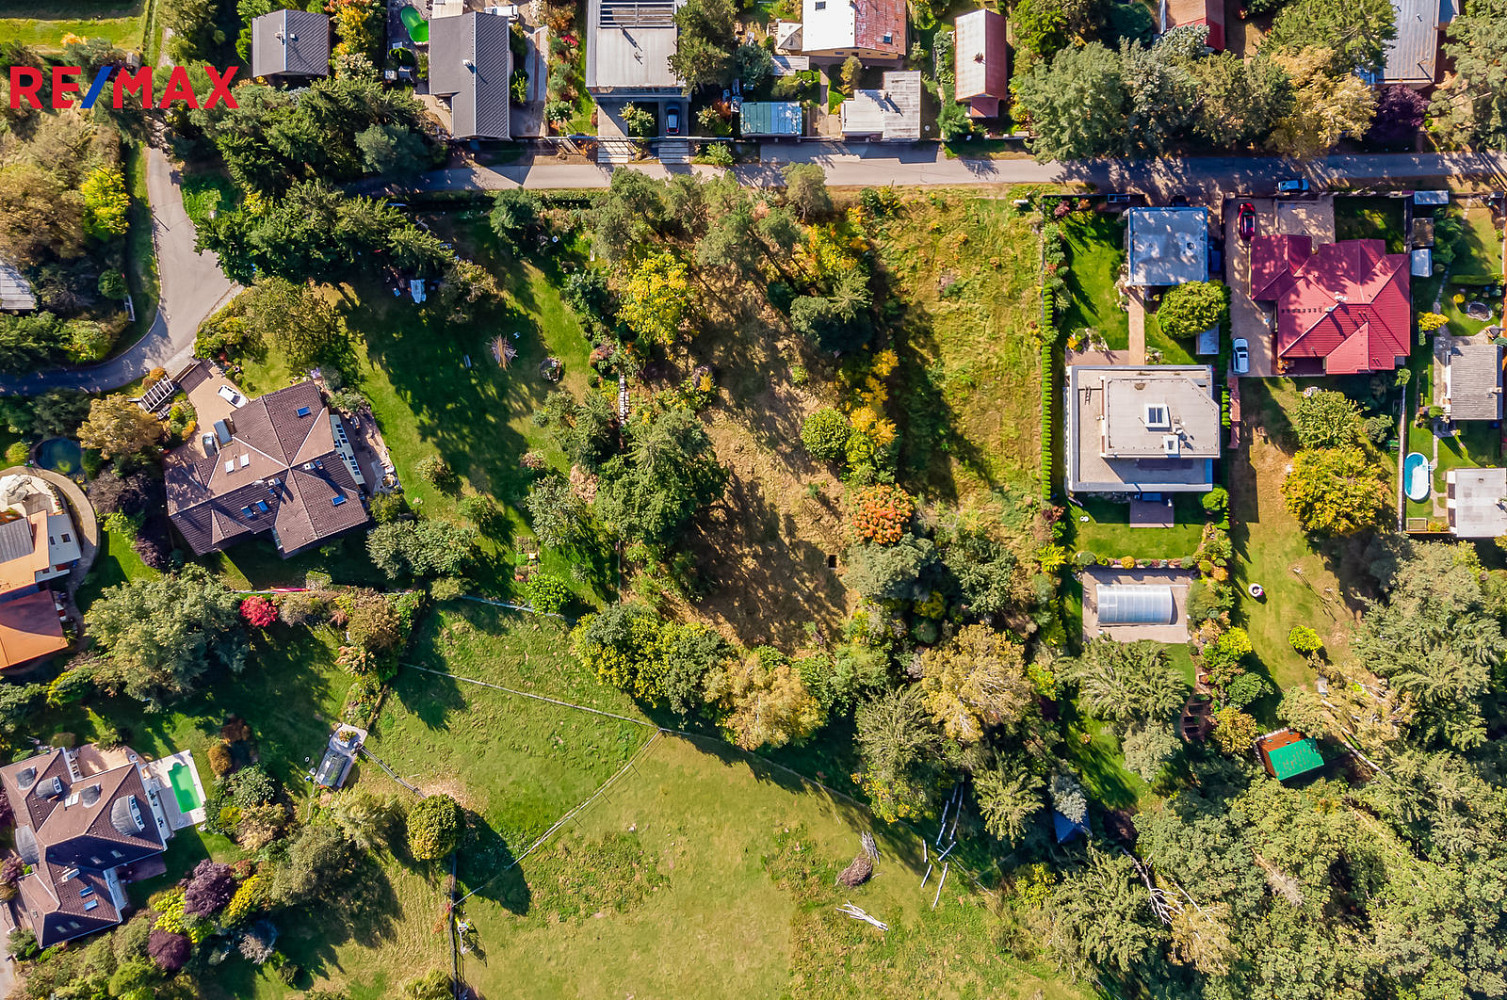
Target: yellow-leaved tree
(654,298)
(977,679)
(767,699)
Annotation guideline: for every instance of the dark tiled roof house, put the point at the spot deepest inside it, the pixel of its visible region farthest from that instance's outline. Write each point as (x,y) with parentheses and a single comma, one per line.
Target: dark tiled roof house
(79,832)
(290,43)
(280,465)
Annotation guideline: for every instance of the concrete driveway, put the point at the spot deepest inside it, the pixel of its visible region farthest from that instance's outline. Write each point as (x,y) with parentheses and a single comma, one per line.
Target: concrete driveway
(193,286)
(1274,216)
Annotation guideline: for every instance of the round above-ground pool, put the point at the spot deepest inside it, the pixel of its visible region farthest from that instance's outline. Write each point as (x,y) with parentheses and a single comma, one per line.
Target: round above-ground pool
(60,455)
(418,28)
(1415,476)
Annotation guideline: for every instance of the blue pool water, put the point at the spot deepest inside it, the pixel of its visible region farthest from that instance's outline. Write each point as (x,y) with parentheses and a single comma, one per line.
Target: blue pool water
(1415,476)
(60,455)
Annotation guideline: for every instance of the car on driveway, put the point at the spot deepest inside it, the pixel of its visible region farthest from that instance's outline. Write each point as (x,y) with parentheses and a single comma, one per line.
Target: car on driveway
(672,121)
(1241,360)
(1293,185)
(1245,222)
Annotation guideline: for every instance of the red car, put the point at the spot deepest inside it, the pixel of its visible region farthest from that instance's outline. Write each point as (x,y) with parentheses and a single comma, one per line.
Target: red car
(1245,222)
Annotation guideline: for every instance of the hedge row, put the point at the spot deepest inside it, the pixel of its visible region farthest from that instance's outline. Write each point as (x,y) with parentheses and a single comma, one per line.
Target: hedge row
(1048,394)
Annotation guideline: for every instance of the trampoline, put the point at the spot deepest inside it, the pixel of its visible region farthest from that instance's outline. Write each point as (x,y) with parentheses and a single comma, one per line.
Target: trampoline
(1136,604)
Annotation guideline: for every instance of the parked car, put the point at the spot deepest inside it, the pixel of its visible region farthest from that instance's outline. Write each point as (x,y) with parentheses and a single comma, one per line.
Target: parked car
(1245,222)
(1293,185)
(672,121)
(1242,357)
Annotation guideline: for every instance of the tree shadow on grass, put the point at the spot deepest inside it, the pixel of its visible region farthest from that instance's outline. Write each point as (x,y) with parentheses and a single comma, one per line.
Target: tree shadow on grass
(367,911)
(486,866)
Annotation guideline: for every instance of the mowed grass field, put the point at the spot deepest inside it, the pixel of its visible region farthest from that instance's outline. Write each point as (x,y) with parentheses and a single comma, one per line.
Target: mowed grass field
(703,872)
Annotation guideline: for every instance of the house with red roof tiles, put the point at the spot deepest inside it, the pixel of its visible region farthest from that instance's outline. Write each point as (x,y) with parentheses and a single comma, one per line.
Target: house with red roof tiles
(1343,309)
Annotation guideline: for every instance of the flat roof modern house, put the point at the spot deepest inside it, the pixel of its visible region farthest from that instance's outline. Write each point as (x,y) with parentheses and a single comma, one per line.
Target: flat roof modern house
(1131,431)
(891,113)
(1472,385)
(1166,246)
(1477,502)
(628,48)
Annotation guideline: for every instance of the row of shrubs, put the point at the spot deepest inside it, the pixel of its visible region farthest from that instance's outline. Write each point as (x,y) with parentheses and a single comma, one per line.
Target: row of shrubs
(1048,393)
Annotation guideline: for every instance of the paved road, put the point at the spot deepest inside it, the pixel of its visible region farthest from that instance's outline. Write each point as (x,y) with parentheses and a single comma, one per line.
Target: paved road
(192,288)
(881,165)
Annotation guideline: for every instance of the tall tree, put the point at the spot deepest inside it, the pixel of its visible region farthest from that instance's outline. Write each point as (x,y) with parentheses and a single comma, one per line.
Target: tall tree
(164,633)
(1101,916)
(766,699)
(1472,105)
(1336,491)
(1161,94)
(707,37)
(899,750)
(1240,100)
(1077,104)
(1328,105)
(669,472)
(117,426)
(1355,32)
(1127,681)
(975,680)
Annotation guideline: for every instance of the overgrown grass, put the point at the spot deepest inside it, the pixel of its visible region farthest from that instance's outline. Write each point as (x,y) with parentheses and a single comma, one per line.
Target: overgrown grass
(205,193)
(46,34)
(1370,219)
(1096,251)
(970,364)
(1482,247)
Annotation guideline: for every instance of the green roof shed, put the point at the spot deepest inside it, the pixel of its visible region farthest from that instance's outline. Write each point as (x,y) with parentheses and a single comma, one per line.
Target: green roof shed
(1290,755)
(771,118)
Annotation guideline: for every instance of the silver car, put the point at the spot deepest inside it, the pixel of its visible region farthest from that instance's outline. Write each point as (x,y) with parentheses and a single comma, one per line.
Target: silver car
(1242,357)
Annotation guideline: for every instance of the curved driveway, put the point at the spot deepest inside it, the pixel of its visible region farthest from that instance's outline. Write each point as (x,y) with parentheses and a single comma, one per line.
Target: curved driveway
(192,287)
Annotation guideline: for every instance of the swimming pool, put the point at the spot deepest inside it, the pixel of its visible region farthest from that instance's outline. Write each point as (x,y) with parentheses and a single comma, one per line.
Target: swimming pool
(183,788)
(418,28)
(60,455)
(1416,477)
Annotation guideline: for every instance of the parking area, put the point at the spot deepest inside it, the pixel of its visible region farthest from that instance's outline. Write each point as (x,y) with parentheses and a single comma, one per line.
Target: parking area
(1307,216)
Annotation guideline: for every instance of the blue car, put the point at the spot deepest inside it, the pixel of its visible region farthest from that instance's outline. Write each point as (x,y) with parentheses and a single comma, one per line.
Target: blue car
(1293,185)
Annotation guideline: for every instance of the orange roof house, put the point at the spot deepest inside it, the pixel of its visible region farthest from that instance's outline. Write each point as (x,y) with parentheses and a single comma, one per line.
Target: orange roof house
(1343,309)
(29,629)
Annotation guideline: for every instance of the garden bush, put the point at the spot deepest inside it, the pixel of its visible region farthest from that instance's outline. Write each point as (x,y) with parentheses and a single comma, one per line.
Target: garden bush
(434,827)
(825,434)
(548,594)
(880,514)
(435,471)
(1305,640)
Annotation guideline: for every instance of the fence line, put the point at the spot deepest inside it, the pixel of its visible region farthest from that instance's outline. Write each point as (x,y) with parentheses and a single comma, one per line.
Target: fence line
(566,818)
(390,772)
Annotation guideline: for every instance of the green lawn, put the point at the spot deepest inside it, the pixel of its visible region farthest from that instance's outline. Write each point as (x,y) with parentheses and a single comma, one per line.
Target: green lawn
(115,563)
(141,254)
(1482,247)
(1271,549)
(1476,445)
(1173,352)
(1370,219)
(1107,532)
(1096,251)
(411,365)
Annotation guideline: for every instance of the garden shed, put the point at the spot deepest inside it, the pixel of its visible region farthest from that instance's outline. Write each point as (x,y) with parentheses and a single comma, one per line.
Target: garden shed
(1287,754)
(332,769)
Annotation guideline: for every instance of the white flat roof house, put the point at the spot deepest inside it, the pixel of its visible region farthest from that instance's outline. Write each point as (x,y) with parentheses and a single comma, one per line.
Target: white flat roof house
(1167,246)
(1477,502)
(628,48)
(1153,429)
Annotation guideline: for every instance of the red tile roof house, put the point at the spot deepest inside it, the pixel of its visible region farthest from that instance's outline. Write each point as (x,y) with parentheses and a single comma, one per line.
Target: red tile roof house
(282,464)
(872,30)
(1342,310)
(982,62)
(82,828)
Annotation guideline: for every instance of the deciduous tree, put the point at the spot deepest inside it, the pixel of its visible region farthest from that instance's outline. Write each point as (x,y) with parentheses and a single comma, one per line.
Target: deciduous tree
(1328,106)
(976,680)
(1191,308)
(435,825)
(1326,419)
(1335,491)
(163,634)
(653,298)
(766,700)
(117,426)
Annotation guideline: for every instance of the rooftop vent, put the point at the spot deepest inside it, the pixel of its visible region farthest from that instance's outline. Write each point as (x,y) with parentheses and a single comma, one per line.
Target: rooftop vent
(1171,445)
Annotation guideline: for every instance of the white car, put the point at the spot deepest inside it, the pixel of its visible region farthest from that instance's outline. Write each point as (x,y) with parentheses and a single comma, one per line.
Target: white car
(232,397)
(1242,357)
